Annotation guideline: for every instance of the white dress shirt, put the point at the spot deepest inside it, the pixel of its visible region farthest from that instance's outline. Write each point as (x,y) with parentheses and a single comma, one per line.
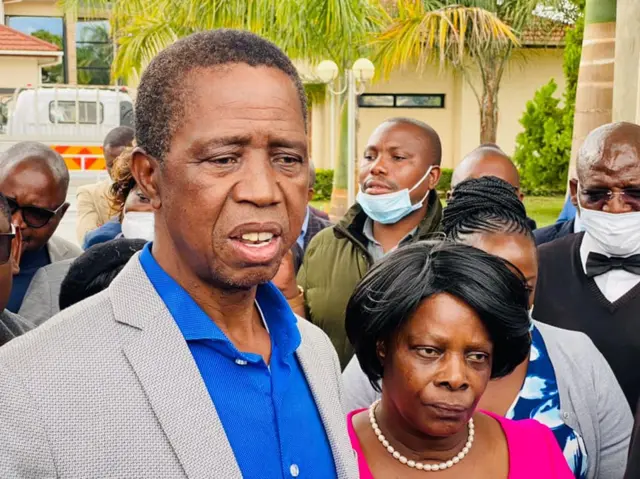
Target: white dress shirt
(613,284)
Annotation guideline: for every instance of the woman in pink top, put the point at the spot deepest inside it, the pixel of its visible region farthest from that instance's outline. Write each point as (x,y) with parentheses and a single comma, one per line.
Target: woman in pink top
(434,323)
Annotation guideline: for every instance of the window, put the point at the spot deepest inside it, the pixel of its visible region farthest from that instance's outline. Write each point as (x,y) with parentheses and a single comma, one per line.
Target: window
(94,52)
(66,112)
(49,29)
(401,100)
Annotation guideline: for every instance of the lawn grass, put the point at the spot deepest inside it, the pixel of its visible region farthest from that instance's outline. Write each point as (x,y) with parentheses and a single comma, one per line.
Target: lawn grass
(543,209)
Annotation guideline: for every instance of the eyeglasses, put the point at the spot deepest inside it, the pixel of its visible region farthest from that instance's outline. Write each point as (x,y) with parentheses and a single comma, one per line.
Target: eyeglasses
(599,197)
(33,216)
(5,245)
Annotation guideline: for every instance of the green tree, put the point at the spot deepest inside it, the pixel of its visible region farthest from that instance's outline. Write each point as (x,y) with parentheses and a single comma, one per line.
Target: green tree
(54,73)
(310,30)
(543,148)
(474,37)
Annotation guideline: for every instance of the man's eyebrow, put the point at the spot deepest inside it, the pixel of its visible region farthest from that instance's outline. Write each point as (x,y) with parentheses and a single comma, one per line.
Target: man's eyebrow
(289,144)
(235,140)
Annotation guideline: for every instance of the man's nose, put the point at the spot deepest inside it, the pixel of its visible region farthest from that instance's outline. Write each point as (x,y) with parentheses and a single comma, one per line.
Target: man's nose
(259,184)
(617,204)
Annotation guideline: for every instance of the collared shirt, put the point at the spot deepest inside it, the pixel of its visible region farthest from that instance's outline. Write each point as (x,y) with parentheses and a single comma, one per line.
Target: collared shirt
(374,248)
(268,411)
(613,284)
(305,227)
(577,225)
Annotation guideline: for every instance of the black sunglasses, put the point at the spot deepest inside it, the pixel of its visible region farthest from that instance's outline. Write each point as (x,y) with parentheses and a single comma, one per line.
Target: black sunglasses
(33,216)
(5,245)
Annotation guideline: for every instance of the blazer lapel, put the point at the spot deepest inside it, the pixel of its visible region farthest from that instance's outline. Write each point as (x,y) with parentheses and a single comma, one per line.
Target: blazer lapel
(326,395)
(160,357)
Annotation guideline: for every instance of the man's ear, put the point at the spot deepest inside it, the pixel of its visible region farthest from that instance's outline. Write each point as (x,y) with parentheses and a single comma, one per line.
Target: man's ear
(310,194)
(573,191)
(434,177)
(16,252)
(145,169)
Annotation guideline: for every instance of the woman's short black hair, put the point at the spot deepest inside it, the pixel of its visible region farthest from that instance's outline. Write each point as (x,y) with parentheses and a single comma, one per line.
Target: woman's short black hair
(95,269)
(392,290)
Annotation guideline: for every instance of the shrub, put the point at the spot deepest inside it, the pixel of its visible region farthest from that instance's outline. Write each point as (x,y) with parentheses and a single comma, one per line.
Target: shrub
(445,179)
(543,149)
(324,185)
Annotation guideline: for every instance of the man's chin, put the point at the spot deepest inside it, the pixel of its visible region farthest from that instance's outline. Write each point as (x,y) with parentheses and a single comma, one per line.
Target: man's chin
(249,277)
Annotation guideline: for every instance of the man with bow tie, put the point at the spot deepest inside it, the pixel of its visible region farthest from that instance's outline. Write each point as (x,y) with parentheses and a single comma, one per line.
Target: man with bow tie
(590,281)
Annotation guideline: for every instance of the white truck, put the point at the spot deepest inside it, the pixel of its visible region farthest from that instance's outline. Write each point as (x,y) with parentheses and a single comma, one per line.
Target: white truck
(73,120)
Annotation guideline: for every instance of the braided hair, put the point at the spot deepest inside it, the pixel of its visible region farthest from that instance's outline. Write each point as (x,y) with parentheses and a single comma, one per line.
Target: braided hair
(484,205)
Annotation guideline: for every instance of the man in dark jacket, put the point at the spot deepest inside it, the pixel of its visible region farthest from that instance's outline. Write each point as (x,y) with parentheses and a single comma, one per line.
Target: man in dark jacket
(397,204)
(315,220)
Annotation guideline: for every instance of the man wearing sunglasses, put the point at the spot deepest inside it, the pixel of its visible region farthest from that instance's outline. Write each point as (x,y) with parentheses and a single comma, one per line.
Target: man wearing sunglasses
(590,281)
(34,179)
(11,325)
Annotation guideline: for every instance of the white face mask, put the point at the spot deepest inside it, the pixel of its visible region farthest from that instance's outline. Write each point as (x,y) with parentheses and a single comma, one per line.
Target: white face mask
(617,234)
(138,225)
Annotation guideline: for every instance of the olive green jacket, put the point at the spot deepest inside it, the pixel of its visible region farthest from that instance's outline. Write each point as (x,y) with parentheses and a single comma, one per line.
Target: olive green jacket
(335,261)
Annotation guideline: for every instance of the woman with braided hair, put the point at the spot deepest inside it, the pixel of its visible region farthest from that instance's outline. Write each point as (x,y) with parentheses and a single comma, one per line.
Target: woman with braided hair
(564,382)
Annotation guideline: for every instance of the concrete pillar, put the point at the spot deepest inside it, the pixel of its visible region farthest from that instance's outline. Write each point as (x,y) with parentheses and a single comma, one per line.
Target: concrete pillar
(625,86)
(70,53)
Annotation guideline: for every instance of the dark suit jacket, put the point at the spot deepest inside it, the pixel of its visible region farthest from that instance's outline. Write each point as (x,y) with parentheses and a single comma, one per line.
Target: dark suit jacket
(319,213)
(316,224)
(553,232)
(633,465)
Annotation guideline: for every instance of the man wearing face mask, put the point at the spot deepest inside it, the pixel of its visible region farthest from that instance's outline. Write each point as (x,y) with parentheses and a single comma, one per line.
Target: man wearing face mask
(590,281)
(396,205)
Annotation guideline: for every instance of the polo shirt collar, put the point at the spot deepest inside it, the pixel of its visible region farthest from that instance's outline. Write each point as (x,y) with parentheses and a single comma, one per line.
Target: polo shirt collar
(196,325)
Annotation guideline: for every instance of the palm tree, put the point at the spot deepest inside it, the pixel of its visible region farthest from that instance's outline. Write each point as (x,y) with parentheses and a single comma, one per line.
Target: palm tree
(310,30)
(594,95)
(474,37)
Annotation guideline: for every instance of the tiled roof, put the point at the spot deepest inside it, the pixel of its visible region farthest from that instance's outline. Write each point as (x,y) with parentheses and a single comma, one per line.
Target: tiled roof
(544,32)
(13,40)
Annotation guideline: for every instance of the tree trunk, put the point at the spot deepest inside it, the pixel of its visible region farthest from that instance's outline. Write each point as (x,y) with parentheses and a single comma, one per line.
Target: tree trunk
(489,114)
(594,94)
(625,78)
(339,200)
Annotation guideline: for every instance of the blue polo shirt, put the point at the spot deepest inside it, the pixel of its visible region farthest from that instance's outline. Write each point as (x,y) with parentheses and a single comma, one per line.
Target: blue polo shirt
(267,411)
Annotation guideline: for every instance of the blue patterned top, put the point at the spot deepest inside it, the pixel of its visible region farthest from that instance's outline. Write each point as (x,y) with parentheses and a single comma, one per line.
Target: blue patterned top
(539,399)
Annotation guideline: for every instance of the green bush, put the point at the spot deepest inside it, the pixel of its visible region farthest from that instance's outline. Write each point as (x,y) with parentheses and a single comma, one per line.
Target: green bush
(444,184)
(324,185)
(543,149)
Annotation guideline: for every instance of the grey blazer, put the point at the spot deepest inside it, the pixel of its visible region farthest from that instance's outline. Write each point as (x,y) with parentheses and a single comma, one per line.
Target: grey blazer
(60,249)
(592,401)
(109,389)
(42,300)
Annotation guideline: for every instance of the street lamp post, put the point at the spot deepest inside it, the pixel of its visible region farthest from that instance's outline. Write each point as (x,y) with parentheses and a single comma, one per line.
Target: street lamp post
(355,80)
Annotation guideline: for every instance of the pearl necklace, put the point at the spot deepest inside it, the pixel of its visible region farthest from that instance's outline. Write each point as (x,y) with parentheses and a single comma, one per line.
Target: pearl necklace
(418,465)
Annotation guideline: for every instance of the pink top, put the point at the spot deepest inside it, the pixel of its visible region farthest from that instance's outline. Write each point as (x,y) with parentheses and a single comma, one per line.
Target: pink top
(533,450)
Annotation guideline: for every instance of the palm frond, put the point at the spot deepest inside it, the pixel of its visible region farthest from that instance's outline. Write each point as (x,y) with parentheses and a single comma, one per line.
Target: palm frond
(449,34)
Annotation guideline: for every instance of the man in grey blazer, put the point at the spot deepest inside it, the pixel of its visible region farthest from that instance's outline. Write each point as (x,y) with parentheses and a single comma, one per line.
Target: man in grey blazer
(191,364)
(35,179)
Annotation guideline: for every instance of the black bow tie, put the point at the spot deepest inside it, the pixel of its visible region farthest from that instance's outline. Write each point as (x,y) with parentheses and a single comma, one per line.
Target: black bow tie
(598,264)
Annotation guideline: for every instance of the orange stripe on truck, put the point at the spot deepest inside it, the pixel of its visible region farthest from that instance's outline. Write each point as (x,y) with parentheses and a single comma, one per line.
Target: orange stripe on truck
(74,154)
